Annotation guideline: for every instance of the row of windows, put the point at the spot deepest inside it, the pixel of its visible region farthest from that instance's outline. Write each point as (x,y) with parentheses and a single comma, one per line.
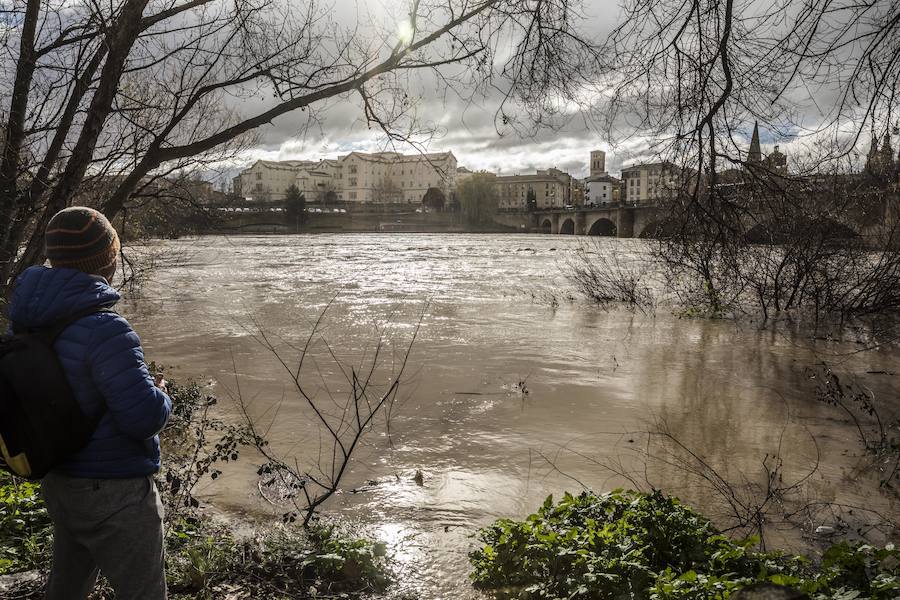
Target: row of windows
(353,181)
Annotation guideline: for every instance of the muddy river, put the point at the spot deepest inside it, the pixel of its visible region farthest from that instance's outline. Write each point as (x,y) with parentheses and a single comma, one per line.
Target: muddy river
(515,388)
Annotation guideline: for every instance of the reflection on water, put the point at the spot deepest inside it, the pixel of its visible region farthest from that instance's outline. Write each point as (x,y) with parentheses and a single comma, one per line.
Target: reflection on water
(506,399)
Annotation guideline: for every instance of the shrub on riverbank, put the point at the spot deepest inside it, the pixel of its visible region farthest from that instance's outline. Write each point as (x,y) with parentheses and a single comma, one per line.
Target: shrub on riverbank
(24,526)
(204,559)
(652,547)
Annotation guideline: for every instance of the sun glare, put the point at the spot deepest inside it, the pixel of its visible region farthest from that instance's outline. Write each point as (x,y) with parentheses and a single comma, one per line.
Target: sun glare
(405,32)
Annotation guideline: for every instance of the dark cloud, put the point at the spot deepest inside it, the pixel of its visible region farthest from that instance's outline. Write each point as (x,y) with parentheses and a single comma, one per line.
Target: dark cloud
(469,126)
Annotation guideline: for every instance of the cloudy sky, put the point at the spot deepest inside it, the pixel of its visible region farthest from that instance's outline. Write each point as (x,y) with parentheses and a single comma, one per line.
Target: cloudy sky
(467,129)
(470,130)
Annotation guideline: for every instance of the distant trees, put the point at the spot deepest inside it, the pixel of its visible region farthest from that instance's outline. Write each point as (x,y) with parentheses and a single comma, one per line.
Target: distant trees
(434,199)
(478,198)
(453,203)
(386,191)
(295,205)
(530,200)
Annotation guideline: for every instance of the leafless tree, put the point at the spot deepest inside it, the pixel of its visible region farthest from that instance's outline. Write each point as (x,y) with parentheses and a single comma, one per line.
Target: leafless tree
(134,88)
(691,77)
(608,278)
(695,74)
(777,497)
(386,191)
(344,412)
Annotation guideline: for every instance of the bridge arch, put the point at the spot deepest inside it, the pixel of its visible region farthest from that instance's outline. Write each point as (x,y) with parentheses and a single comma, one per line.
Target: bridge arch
(567,227)
(772,232)
(603,227)
(546,225)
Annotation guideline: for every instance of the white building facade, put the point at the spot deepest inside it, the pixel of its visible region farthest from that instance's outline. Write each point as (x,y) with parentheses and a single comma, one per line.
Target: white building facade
(269,180)
(651,183)
(600,190)
(358,177)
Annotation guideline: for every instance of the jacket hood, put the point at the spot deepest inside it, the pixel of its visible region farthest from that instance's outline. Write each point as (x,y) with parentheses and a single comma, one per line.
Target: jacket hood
(43,295)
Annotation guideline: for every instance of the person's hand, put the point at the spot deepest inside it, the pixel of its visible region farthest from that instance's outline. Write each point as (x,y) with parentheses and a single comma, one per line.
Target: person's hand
(161,383)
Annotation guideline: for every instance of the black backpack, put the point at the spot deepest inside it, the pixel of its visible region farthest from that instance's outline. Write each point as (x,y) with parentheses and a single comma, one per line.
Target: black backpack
(41,423)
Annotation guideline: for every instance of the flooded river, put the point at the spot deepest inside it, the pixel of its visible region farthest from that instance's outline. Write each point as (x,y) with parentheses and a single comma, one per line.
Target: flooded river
(515,388)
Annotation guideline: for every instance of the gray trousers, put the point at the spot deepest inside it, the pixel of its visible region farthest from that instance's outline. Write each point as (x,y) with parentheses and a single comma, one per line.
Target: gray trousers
(108,525)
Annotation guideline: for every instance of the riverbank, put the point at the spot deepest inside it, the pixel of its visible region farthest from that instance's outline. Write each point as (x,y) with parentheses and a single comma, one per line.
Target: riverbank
(604,547)
(206,556)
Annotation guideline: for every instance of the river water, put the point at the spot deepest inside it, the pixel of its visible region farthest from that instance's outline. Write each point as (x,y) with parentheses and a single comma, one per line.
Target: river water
(515,388)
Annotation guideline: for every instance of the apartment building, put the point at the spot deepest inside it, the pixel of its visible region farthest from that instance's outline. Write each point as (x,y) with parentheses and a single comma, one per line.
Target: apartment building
(552,189)
(390,177)
(269,180)
(319,183)
(651,183)
(383,177)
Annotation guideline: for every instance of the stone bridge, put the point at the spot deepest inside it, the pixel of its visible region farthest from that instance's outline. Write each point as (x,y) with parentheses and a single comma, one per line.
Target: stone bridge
(613,221)
(870,221)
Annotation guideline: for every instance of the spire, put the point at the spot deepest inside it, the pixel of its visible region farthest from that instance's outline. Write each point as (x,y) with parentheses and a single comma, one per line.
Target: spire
(887,153)
(872,157)
(755,154)
(873,146)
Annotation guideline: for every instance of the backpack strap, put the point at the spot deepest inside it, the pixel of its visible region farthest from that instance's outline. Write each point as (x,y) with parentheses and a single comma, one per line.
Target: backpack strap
(53,331)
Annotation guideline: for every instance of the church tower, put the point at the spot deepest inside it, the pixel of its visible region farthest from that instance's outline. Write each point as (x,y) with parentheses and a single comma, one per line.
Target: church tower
(598,163)
(887,153)
(872,158)
(754,156)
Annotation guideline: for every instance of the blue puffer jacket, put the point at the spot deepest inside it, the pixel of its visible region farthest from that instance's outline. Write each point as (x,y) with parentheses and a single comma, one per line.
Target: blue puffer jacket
(104,363)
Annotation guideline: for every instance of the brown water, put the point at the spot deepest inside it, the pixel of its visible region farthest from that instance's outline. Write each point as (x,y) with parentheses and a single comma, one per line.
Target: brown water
(594,379)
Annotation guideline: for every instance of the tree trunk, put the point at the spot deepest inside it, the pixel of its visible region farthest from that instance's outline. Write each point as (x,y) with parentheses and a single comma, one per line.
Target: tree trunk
(15,134)
(119,41)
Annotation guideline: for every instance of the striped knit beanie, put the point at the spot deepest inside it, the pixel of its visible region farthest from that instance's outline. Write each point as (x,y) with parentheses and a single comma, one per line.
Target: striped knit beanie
(82,238)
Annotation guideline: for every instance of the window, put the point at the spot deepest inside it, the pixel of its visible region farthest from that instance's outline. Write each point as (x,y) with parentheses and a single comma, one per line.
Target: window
(259,187)
(353,182)
(258,175)
(353,195)
(353,169)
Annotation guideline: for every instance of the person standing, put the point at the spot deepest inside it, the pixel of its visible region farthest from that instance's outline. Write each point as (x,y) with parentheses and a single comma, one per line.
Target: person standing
(106,511)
